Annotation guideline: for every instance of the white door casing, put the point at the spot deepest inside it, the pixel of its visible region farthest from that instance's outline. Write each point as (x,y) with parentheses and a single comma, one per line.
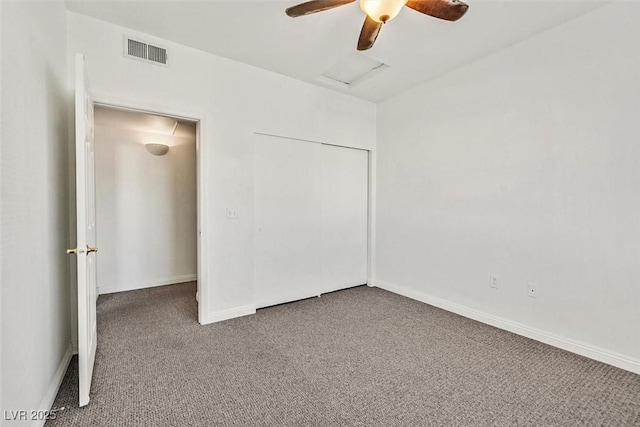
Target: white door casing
(86,231)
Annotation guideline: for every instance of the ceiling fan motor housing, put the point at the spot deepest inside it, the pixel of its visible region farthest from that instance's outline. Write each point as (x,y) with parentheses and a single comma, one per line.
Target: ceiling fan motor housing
(382,11)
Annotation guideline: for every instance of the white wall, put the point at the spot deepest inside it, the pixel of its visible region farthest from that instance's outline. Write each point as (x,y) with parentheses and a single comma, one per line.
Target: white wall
(34,216)
(234,101)
(146,210)
(524,164)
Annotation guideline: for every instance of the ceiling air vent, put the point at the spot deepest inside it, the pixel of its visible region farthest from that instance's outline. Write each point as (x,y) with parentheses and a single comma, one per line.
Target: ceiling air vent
(143,51)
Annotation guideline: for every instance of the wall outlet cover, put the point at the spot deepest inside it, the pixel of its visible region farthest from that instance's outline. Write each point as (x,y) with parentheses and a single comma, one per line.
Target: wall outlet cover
(493,282)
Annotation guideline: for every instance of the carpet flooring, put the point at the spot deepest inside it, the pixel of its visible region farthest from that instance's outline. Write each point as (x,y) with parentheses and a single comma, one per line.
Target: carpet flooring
(358,357)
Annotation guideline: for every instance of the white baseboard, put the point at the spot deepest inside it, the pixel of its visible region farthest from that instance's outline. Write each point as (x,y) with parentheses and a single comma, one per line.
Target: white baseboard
(52,391)
(74,346)
(232,313)
(102,290)
(586,350)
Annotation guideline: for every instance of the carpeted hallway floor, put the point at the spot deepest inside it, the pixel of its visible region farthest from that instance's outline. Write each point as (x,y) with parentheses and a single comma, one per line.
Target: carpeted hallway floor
(357,357)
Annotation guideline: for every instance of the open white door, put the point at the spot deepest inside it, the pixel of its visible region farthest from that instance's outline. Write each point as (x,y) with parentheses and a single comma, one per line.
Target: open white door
(86,231)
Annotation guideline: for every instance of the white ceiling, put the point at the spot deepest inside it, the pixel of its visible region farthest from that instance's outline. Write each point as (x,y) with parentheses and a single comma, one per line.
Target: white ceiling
(143,122)
(416,47)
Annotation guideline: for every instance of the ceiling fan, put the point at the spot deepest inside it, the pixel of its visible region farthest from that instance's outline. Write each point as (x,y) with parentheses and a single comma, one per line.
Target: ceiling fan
(380,12)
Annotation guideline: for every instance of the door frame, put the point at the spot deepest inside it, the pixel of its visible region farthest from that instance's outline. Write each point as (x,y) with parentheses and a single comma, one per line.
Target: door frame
(202,272)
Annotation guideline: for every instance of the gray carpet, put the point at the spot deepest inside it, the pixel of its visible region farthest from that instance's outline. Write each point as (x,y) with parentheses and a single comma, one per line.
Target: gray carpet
(357,357)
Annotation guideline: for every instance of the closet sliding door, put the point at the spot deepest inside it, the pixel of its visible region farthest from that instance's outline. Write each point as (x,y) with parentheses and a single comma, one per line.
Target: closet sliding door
(344,217)
(310,217)
(287,220)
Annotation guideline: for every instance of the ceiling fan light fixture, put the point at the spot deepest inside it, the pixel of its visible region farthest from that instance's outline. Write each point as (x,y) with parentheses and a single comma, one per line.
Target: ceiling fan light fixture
(382,11)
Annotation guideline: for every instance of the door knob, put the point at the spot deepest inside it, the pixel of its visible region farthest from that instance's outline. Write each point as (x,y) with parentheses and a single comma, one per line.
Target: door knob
(90,249)
(75,251)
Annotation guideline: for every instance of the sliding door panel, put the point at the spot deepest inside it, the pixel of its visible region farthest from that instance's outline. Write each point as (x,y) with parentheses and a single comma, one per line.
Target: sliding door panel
(287,219)
(344,217)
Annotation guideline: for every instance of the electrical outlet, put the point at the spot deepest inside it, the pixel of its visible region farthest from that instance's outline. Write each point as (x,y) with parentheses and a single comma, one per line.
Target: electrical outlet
(232,213)
(493,282)
(533,290)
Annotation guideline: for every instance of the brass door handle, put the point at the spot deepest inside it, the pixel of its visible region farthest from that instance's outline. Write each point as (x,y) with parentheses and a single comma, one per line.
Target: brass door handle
(77,251)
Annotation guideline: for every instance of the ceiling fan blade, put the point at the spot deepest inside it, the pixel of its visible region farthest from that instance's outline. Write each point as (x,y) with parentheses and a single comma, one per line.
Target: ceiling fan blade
(314,6)
(368,34)
(449,10)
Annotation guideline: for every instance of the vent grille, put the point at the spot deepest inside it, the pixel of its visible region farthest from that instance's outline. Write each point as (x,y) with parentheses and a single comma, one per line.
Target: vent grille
(157,54)
(137,49)
(140,50)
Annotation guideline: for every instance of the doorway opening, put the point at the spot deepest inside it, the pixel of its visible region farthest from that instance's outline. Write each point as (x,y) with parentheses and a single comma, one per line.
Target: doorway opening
(147,200)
